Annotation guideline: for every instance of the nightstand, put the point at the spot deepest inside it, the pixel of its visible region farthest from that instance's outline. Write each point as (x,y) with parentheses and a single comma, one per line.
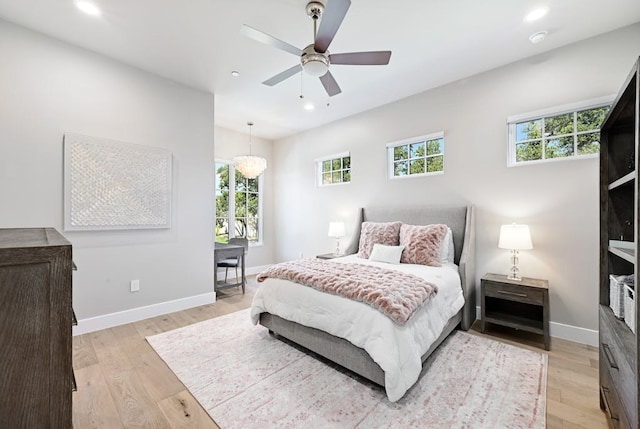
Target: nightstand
(516,304)
(328,256)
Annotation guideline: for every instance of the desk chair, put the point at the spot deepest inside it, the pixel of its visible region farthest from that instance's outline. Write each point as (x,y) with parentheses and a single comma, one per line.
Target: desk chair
(234,262)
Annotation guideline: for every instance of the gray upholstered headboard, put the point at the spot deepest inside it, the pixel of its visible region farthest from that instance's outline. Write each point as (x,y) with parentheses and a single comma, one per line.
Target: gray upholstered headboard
(461,220)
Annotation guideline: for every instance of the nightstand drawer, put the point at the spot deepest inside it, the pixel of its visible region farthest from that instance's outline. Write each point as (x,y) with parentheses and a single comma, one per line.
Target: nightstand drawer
(514,293)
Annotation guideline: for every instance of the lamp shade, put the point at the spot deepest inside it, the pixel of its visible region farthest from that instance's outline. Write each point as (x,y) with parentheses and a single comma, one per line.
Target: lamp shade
(336,229)
(515,237)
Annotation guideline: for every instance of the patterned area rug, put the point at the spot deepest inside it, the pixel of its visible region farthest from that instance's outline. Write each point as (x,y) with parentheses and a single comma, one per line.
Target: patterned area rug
(245,378)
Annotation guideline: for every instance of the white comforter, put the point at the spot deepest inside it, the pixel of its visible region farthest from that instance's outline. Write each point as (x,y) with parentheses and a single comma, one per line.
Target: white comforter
(397,349)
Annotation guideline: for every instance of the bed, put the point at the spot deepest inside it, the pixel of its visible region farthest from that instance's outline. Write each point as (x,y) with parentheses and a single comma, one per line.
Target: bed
(279,305)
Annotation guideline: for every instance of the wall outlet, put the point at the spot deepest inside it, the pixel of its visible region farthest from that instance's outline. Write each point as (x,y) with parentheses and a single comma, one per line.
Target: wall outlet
(135,285)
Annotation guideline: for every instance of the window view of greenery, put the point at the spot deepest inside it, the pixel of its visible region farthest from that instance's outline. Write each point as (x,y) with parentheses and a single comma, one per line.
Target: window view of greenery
(222,202)
(336,170)
(560,136)
(421,157)
(239,196)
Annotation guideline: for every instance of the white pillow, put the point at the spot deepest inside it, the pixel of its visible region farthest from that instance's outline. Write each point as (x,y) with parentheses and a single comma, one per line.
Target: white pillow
(388,254)
(447,252)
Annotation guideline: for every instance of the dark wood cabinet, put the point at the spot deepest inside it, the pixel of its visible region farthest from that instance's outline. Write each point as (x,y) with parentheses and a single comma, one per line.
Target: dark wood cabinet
(619,233)
(35,329)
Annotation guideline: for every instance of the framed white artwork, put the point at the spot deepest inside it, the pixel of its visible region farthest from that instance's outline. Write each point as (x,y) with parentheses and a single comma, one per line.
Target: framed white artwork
(111,185)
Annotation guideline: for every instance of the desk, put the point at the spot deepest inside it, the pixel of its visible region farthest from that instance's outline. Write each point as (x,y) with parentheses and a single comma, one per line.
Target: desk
(224,251)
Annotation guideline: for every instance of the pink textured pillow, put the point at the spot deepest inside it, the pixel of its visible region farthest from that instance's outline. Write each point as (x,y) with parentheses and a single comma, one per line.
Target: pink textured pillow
(371,233)
(422,244)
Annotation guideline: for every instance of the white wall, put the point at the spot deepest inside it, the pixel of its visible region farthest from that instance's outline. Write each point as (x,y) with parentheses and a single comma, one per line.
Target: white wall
(231,143)
(558,200)
(48,88)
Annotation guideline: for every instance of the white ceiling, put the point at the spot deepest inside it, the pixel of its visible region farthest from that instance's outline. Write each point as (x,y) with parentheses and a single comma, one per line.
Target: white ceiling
(198,43)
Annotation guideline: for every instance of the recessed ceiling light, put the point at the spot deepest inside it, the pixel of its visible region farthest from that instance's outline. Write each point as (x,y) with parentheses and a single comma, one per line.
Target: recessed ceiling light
(88,7)
(309,106)
(235,73)
(538,37)
(536,14)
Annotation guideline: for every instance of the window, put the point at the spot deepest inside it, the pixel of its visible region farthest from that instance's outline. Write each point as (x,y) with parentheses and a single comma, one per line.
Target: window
(560,133)
(238,205)
(417,156)
(334,169)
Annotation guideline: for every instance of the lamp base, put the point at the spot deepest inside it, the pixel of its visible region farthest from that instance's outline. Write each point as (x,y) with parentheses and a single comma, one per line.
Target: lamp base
(515,272)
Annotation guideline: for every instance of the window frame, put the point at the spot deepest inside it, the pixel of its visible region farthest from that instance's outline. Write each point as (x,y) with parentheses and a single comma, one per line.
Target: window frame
(319,161)
(232,202)
(572,108)
(408,141)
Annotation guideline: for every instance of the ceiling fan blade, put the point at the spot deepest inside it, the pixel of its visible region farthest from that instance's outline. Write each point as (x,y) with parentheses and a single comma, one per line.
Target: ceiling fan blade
(330,84)
(373,58)
(269,40)
(331,19)
(284,75)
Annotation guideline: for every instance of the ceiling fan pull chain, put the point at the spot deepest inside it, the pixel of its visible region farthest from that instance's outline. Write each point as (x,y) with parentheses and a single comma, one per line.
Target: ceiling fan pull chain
(301,86)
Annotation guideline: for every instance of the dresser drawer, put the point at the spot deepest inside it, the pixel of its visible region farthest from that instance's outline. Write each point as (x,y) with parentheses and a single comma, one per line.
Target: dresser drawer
(513,293)
(614,364)
(611,400)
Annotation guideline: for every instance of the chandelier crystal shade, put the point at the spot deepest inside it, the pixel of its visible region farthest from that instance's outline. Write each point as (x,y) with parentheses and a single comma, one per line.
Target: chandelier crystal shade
(250,166)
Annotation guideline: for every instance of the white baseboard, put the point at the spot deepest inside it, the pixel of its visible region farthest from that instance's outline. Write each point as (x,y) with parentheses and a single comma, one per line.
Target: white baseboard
(574,333)
(105,321)
(566,332)
(133,315)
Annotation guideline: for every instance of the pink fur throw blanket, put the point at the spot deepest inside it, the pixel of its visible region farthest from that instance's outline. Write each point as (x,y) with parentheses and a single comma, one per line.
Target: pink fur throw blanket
(395,294)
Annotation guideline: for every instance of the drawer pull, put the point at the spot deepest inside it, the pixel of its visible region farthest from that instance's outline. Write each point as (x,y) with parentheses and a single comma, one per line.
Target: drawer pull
(605,391)
(504,292)
(609,356)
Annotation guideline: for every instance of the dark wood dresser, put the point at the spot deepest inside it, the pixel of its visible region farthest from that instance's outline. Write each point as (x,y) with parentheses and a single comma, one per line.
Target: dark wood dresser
(35,329)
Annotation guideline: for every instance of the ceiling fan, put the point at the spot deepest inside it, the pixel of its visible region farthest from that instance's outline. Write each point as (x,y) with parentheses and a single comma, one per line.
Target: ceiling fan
(315,59)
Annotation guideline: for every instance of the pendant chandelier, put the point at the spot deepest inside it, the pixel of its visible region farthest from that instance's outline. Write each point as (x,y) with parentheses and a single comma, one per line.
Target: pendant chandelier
(250,166)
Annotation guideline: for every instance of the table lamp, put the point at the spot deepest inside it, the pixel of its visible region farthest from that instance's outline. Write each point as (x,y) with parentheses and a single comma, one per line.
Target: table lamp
(515,237)
(336,230)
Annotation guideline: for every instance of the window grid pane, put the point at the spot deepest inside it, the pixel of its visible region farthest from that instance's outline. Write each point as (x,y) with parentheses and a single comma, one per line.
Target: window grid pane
(243,220)
(417,158)
(336,170)
(559,136)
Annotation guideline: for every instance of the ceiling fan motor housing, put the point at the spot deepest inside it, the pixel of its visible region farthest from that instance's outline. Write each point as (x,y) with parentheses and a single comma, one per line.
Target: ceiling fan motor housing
(314,63)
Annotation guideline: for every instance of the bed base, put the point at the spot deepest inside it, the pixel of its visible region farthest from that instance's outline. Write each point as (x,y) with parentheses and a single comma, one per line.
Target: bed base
(339,350)
(461,220)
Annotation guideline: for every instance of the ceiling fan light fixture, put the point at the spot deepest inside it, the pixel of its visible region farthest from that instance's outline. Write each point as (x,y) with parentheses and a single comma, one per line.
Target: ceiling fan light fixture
(314,63)
(315,68)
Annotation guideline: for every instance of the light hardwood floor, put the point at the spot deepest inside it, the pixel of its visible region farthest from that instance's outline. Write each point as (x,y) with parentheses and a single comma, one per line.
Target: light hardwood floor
(122,383)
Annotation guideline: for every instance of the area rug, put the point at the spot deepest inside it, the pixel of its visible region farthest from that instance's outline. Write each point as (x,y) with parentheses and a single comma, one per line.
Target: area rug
(245,378)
